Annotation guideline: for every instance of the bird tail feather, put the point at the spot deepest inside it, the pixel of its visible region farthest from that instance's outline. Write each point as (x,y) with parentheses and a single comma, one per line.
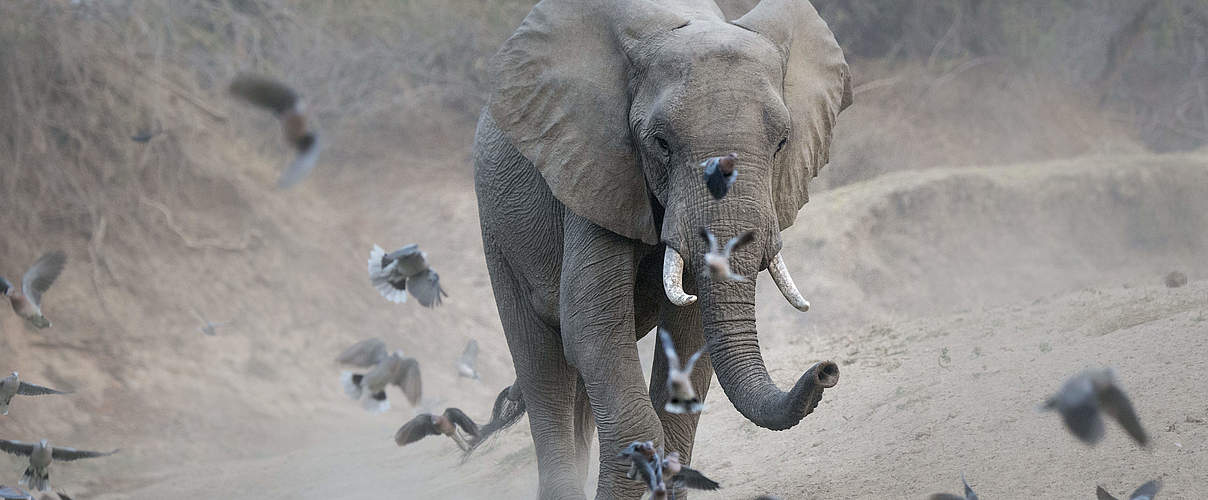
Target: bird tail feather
(379,277)
(377,402)
(352,384)
(35,480)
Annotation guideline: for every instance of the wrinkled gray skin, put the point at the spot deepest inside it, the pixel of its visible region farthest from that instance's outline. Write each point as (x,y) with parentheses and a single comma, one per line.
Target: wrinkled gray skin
(586,169)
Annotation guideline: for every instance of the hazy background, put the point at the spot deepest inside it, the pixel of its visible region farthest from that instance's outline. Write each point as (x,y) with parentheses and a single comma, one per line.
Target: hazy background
(1003,199)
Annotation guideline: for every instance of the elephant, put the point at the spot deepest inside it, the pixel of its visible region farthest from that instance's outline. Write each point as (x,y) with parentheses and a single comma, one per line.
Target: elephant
(590,192)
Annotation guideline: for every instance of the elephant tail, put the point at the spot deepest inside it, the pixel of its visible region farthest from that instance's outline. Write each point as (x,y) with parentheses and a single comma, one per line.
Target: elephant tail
(509,407)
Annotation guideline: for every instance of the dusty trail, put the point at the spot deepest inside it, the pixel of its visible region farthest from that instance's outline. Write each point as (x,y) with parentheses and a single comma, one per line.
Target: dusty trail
(954,301)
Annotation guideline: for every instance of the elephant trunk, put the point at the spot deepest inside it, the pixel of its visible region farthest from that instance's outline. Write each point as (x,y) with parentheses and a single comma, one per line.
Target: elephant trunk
(728,310)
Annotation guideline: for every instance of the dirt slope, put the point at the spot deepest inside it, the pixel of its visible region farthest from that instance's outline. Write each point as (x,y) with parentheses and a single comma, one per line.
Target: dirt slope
(944,360)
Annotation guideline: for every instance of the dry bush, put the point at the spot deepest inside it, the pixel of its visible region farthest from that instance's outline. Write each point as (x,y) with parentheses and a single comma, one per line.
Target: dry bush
(1142,60)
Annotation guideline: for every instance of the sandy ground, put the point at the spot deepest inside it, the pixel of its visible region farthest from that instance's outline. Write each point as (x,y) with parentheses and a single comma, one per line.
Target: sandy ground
(954,300)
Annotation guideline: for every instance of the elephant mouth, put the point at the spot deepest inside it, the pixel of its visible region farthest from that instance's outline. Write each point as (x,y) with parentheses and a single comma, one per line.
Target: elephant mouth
(673,280)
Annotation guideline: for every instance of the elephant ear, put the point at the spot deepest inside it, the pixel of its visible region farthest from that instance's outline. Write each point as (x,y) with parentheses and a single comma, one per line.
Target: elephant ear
(817,87)
(560,95)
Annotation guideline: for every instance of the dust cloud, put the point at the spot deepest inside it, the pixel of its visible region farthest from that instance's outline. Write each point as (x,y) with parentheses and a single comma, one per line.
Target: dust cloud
(1003,203)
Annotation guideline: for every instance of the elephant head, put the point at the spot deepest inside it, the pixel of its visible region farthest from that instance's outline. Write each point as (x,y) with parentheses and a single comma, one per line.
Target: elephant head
(618,102)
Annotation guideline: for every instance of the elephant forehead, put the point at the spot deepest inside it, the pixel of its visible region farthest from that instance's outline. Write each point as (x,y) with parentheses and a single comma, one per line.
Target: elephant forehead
(719,45)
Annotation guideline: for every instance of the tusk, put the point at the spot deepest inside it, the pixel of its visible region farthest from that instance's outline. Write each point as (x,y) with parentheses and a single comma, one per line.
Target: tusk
(673,278)
(784,281)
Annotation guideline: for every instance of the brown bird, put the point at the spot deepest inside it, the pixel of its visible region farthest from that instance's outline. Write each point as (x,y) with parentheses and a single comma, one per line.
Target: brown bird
(384,369)
(969,494)
(1146,491)
(27,302)
(288,107)
(7,493)
(717,260)
(406,269)
(681,397)
(41,455)
(447,424)
(1084,396)
(720,174)
(12,385)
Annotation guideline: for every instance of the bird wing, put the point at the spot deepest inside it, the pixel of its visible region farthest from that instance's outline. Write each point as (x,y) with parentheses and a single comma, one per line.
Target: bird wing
(1084,421)
(739,241)
(460,419)
(407,377)
(1146,491)
(302,164)
(470,354)
(365,353)
(4,285)
(1102,494)
(411,260)
(41,275)
(707,235)
(669,349)
(416,429)
(28,389)
(13,493)
(425,287)
(264,92)
(646,469)
(69,454)
(692,360)
(692,478)
(1113,401)
(969,494)
(16,447)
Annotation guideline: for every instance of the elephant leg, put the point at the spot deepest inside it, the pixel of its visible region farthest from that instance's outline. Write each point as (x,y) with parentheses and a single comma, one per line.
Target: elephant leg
(546,380)
(596,304)
(679,430)
(585,429)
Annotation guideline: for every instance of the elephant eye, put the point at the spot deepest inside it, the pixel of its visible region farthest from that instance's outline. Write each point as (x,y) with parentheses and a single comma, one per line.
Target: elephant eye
(663,147)
(780,146)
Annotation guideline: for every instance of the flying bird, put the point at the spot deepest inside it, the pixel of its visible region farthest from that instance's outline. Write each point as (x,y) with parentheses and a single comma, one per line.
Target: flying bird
(469,357)
(144,135)
(451,423)
(41,454)
(384,369)
(969,494)
(1081,399)
(683,476)
(720,174)
(405,270)
(717,260)
(207,327)
(27,301)
(645,466)
(681,397)
(1146,491)
(12,385)
(288,107)
(7,493)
